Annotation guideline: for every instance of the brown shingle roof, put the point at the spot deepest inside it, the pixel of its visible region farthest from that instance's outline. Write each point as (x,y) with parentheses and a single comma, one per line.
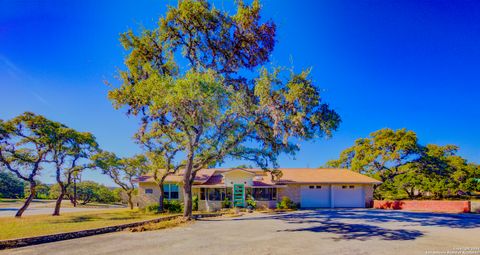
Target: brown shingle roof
(213,176)
(324,175)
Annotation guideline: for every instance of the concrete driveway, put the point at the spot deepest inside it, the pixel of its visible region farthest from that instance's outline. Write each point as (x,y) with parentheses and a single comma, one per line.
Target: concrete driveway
(347,231)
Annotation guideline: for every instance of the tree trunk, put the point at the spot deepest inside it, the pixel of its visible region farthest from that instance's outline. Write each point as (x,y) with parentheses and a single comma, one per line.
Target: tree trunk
(161,199)
(130,201)
(187,200)
(187,186)
(58,203)
(33,191)
(409,194)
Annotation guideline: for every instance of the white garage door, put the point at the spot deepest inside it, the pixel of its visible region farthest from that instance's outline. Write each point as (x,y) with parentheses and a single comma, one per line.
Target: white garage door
(315,196)
(348,195)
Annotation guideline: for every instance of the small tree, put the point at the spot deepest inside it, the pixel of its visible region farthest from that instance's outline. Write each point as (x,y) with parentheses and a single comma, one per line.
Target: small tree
(70,148)
(123,171)
(25,145)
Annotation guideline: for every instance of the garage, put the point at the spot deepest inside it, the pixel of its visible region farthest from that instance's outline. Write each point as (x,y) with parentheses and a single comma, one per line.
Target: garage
(342,195)
(348,195)
(315,196)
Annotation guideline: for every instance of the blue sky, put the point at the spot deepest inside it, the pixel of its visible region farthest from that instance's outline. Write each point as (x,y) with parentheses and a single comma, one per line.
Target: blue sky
(412,64)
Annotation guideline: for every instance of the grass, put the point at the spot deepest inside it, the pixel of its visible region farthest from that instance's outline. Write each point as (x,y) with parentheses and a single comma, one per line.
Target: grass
(36,225)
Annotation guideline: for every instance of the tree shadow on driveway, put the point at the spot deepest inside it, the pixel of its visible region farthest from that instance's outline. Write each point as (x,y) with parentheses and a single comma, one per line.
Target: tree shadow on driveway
(360,232)
(385,216)
(354,223)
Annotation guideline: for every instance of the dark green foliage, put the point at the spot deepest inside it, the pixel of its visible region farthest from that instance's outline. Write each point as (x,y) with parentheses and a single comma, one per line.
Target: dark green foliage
(170,206)
(10,186)
(287,203)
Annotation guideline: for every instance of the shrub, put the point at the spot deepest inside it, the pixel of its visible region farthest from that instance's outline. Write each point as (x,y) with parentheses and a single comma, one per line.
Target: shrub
(170,206)
(195,203)
(173,206)
(286,203)
(226,203)
(251,202)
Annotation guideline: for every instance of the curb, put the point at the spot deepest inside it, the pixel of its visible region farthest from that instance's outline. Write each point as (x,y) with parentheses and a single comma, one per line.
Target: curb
(27,241)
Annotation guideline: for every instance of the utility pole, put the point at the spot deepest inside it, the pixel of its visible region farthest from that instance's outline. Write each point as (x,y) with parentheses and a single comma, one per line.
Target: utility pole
(75,178)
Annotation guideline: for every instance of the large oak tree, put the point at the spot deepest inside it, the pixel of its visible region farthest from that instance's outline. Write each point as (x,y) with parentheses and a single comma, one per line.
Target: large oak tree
(198,82)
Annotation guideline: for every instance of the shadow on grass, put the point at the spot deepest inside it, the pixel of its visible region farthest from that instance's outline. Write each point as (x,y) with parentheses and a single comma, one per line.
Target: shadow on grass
(76,219)
(96,217)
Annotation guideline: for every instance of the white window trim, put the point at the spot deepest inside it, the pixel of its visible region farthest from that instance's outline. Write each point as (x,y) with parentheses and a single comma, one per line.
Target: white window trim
(167,187)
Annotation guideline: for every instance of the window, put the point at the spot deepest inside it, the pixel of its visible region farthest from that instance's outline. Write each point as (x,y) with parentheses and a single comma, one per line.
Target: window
(311,187)
(148,191)
(344,187)
(217,194)
(170,191)
(173,191)
(351,187)
(264,194)
(318,187)
(202,193)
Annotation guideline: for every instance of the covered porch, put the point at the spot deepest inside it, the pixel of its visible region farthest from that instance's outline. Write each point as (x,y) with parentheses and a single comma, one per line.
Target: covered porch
(216,198)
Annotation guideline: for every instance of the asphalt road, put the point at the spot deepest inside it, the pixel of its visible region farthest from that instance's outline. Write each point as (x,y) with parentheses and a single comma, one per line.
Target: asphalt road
(38,207)
(303,232)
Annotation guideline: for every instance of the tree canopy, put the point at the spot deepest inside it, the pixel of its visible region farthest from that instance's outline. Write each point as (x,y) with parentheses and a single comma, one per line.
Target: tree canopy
(409,169)
(26,144)
(199,83)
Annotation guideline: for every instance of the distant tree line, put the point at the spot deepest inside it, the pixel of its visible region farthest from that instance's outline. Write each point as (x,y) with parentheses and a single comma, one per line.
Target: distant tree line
(409,169)
(86,191)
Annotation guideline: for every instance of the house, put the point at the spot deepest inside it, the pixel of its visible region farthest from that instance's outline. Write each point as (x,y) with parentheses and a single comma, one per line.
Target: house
(310,188)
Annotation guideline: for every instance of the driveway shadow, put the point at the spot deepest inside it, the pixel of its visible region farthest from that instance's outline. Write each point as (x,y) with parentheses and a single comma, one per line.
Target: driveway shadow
(385,216)
(333,221)
(360,232)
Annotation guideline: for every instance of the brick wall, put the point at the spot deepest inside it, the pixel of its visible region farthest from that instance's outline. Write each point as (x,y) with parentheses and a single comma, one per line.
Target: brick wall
(424,205)
(143,199)
(292,191)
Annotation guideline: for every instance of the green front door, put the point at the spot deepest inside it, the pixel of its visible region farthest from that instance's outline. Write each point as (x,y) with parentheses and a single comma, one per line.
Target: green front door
(239,195)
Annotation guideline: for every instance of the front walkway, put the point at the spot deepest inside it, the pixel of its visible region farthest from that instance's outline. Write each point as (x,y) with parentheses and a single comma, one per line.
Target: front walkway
(346,231)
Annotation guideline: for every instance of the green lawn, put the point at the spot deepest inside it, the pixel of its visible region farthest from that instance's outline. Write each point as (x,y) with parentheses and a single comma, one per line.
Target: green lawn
(35,225)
